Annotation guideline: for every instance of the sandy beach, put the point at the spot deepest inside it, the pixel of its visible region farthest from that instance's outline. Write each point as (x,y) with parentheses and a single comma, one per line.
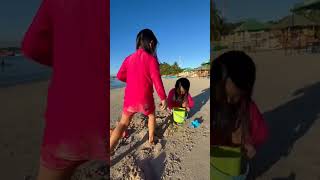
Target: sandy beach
(22,110)
(288,93)
(181,153)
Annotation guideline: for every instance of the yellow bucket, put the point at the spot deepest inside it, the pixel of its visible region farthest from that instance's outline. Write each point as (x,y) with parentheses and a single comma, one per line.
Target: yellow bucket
(179,115)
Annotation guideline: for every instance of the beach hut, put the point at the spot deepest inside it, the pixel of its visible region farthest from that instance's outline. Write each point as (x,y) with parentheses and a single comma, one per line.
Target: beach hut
(203,70)
(297,31)
(188,72)
(307,5)
(311,7)
(249,34)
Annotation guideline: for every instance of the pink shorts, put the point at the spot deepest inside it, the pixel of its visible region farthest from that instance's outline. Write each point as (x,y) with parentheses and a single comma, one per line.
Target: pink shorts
(131,111)
(50,161)
(127,113)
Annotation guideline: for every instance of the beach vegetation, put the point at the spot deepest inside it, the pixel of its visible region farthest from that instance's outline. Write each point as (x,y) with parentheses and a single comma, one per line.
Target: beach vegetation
(167,69)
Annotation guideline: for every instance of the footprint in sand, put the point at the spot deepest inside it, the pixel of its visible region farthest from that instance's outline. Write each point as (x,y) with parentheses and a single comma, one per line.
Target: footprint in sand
(128,170)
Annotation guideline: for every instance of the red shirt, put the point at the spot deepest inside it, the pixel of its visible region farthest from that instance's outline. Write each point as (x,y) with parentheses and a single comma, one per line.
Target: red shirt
(72,37)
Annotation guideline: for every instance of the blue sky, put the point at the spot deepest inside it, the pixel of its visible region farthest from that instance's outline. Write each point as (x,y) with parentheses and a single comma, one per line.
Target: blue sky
(15,17)
(181,26)
(264,10)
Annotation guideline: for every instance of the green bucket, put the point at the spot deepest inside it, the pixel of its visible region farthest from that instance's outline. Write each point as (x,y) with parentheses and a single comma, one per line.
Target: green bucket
(226,161)
(216,174)
(179,115)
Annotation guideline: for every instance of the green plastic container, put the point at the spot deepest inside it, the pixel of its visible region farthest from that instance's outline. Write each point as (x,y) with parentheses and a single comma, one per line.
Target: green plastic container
(225,160)
(216,174)
(179,115)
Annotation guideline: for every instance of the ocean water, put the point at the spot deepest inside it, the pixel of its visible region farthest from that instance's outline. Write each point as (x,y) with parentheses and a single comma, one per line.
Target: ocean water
(114,83)
(170,77)
(17,69)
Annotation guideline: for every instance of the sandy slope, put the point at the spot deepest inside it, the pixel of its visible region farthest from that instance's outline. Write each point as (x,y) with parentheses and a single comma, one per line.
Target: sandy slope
(182,152)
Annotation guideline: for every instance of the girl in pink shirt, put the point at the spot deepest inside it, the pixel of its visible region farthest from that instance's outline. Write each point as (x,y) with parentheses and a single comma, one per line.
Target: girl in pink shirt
(140,71)
(179,96)
(72,37)
(237,120)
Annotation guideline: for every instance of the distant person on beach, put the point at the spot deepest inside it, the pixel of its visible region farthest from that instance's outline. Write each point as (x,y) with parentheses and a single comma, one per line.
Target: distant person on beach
(179,96)
(72,37)
(140,71)
(236,119)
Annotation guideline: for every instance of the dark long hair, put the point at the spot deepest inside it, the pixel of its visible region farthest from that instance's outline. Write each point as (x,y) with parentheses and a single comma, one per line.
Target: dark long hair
(182,82)
(144,38)
(226,118)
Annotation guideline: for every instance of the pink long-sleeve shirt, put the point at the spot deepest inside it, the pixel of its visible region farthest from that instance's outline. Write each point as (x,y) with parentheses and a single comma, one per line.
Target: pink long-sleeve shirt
(141,71)
(173,103)
(72,37)
(258,129)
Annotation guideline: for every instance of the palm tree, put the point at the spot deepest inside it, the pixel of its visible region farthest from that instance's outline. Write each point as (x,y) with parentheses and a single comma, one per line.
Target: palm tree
(216,23)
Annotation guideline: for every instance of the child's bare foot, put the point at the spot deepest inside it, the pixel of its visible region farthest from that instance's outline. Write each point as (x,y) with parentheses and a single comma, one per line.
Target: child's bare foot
(153,140)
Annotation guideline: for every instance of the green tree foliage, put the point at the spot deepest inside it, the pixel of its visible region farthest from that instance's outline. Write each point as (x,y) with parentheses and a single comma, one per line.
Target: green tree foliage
(219,25)
(216,22)
(167,69)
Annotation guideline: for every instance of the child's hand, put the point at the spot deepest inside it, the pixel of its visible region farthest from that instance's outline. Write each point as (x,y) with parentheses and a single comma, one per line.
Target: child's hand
(163,105)
(236,136)
(250,150)
(188,109)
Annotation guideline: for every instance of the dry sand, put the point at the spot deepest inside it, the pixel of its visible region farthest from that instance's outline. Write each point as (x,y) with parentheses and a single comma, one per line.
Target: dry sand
(22,110)
(181,153)
(288,93)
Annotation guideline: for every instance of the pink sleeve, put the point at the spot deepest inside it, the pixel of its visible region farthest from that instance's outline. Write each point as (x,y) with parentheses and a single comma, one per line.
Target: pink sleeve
(37,42)
(190,101)
(122,73)
(156,78)
(170,98)
(259,130)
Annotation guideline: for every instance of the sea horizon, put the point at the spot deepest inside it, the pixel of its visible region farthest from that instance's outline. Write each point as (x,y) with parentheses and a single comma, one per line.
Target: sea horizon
(16,70)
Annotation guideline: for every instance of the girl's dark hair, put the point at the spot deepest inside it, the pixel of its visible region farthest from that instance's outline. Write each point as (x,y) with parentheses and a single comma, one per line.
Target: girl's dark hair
(144,38)
(182,82)
(240,68)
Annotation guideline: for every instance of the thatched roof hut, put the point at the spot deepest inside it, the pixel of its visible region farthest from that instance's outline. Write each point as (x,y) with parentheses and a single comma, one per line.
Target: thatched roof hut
(307,4)
(251,25)
(203,70)
(294,20)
